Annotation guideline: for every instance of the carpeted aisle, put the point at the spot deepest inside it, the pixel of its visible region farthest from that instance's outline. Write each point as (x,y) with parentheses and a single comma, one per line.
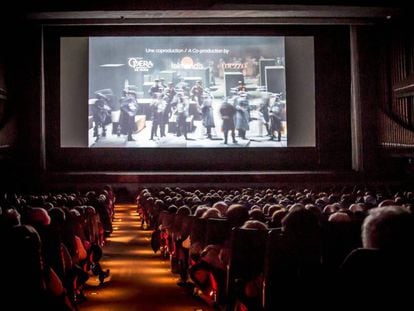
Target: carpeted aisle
(139,279)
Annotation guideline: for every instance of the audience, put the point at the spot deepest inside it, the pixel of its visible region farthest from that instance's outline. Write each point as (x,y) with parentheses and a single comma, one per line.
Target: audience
(58,239)
(384,266)
(60,236)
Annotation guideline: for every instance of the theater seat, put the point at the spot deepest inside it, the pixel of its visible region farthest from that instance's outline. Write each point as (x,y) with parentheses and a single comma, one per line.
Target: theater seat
(248,247)
(379,277)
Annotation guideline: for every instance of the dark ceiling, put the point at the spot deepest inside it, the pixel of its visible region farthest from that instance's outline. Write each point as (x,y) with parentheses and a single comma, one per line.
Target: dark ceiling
(82,5)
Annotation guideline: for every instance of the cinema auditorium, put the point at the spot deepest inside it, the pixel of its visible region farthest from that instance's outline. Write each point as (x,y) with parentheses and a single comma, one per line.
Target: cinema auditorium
(206,155)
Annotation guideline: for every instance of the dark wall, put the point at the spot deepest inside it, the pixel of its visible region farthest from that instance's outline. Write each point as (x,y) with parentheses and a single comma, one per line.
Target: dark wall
(20,125)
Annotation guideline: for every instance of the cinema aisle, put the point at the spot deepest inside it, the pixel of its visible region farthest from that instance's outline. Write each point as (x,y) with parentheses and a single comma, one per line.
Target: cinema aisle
(139,279)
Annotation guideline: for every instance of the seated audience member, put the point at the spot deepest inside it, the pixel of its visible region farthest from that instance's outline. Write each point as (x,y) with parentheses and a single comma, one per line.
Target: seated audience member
(254,224)
(181,233)
(385,263)
(30,283)
(314,209)
(248,285)
(9,218)
(301,228)
(339,217)
(209,274)
(273,208)
(276,221)
(257,214)
(211,213)
(387,202)
(221,206)
(329,209)
(370,200)
(237,214)
(357,208)
(199,211)
(95,255)
(300,223)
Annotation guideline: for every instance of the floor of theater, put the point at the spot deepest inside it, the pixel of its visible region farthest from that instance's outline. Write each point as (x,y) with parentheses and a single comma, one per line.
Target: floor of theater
(139,279)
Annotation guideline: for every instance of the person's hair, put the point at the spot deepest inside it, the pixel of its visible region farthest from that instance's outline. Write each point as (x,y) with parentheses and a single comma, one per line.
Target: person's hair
(273,208)
(388,228)
(38,216)
(200,210)
(254,224)
(300,222)
(10,218)
(57,216)
(277,217)
(172,209)
(357,207)
(257,214)
(329,209)
(221,206)
(237,214)
(339,217)
(211,213)
(183,211)
(387,202)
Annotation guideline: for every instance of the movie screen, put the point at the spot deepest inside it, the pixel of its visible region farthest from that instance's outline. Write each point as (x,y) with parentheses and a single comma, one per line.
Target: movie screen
(187,92)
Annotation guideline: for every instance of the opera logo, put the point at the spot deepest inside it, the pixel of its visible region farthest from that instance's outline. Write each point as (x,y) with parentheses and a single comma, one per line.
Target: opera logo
(140,64)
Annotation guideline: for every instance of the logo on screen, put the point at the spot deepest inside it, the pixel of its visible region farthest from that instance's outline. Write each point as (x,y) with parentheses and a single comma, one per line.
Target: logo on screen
(186,63)
(140,64)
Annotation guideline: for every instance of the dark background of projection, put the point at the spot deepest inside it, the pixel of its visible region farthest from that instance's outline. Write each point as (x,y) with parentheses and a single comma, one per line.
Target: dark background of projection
(322,139)
(117,50)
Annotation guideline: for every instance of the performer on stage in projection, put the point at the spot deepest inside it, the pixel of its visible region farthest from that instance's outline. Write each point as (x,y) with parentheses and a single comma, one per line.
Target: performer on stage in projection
(197,92)
(242,117)
(207,113)
(180,110)
(227,112)
(276,120)
(129,108)
(156,88)
(264,111)
(241,87)
(169,95)
(157,108)
(101,112)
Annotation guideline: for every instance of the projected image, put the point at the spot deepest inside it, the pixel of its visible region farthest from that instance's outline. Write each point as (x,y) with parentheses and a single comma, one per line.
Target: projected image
(189,92)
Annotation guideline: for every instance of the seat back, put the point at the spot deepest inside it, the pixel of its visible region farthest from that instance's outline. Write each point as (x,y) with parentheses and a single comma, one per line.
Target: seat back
(292,269)
(338,240)
(248,247)
(198,231)
(217,231)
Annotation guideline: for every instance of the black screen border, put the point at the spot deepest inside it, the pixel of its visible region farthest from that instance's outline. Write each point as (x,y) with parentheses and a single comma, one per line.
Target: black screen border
(332,109)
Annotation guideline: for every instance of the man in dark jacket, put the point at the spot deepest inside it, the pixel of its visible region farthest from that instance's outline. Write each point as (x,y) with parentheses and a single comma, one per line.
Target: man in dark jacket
(129,108)
(101,114)
(227,112)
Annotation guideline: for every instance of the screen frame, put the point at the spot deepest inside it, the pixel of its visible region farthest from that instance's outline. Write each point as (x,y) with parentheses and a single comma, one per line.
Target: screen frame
(332,109)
